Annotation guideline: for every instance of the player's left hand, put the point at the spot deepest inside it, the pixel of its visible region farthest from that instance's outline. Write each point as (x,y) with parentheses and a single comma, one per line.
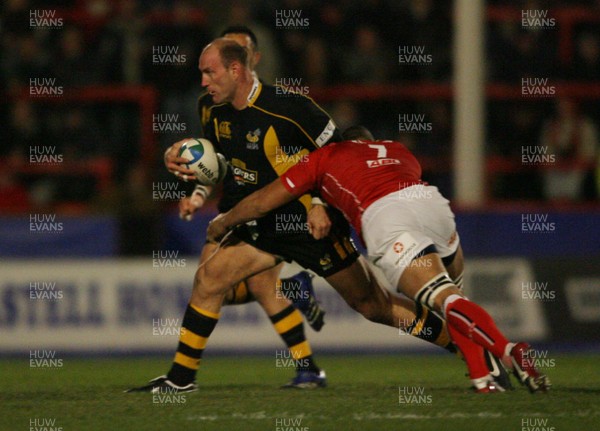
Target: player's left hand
(318,222)
(216,229)
(176,164)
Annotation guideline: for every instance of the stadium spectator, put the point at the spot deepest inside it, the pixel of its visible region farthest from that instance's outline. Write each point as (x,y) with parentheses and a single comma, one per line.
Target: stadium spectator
(572,137)
(74,65)
(365,62)
(122,44)
(25,60)
(586,65)
(23,129)
(513,128)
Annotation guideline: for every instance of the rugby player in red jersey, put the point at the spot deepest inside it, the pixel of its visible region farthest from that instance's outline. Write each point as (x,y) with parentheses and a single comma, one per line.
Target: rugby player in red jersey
(408,229)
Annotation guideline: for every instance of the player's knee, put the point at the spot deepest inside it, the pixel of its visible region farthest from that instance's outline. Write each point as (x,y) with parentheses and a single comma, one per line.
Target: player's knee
(433,293)
(207,282)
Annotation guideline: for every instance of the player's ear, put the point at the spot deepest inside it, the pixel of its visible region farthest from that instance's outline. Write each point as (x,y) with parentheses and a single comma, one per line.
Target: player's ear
(235,68)
(257,55)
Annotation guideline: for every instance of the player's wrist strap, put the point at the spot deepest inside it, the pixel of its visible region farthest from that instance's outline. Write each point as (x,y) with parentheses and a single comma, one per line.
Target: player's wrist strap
(201,190)
(317,201)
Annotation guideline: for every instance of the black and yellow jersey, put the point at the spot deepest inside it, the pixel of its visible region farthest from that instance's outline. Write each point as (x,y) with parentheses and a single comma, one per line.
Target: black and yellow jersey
(205,103)
(263,140)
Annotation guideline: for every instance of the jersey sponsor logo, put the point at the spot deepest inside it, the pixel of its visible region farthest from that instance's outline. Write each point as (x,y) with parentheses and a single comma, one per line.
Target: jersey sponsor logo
(382,162)
(225,129)
(243,175)
(252,138)
(326,134)
(398,247)
(256,86)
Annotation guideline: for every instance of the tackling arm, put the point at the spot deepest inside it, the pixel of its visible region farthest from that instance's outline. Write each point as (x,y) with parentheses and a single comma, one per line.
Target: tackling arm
(254,206)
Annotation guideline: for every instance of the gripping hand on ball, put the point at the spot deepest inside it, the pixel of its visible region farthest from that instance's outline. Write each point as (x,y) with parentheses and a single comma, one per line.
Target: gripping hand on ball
(175,164)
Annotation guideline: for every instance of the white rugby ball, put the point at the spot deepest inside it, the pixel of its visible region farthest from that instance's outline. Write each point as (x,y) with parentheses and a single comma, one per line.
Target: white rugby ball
(209,166)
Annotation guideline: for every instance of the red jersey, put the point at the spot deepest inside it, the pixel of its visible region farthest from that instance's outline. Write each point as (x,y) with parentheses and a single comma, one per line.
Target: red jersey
(351,175)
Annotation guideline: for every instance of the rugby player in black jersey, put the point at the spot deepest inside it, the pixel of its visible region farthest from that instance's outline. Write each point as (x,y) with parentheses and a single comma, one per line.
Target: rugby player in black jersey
(298,288)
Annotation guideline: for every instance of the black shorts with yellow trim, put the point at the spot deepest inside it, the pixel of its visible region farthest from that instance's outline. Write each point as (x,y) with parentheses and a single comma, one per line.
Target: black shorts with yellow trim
(325,256)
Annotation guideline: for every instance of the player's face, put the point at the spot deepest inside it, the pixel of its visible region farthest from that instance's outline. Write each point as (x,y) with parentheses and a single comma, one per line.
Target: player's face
(217,79)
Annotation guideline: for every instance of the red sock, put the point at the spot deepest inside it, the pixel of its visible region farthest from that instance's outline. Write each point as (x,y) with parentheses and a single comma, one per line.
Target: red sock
(475,323)
(472,352)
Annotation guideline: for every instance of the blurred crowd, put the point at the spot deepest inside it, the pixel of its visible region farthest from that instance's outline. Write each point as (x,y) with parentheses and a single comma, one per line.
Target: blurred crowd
(109,42)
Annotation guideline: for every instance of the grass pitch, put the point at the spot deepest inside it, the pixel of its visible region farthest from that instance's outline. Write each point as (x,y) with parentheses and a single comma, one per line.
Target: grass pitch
(242,393)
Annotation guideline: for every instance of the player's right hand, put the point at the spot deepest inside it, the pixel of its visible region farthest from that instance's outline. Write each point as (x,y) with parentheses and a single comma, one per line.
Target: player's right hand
(176,164)
(189,205)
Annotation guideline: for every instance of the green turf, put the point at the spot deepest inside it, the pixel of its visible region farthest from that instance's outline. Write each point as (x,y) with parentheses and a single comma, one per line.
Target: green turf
(242,394)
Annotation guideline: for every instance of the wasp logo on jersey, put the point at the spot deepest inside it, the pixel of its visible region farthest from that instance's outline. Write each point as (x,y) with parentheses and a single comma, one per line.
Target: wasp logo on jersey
(252,139)
(241,174)
(225,129)
(326,262)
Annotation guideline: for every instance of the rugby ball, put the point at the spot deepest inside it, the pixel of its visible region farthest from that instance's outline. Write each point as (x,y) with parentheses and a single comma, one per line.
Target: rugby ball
(209,166)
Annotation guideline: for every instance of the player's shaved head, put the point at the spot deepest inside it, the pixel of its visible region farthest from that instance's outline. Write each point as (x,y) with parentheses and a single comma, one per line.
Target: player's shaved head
(229,50)
(357,132)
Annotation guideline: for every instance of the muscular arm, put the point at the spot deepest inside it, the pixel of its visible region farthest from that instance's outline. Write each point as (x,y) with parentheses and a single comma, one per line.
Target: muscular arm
(254,206)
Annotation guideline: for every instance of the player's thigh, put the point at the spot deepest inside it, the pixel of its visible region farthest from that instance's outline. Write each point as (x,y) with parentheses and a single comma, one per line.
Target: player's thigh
(356,283)
(221,268)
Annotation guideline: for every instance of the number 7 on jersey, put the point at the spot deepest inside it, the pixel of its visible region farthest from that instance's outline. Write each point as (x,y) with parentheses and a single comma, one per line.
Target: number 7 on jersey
(381,150)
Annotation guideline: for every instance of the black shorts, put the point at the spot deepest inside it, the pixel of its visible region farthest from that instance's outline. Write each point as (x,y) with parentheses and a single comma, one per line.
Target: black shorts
(325,257)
